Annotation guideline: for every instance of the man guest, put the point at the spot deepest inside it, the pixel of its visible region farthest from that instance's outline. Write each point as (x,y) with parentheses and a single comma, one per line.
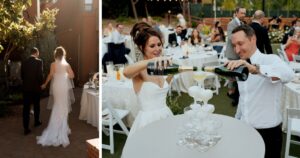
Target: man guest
(262,37)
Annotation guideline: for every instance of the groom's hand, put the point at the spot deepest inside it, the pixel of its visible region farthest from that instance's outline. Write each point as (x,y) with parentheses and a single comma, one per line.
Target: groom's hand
(43,86)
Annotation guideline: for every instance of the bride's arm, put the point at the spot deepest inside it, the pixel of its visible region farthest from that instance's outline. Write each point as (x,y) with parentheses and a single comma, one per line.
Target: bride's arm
(132,70)
(70,72)
(49,77)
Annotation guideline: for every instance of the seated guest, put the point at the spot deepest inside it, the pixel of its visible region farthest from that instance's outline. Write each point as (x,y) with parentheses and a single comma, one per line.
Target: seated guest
(116,49)
(295,23)
(293,44)
(217,24)
(117,34)
(107,31)
(218,35)
(176,38)
(195,38)
(183,24)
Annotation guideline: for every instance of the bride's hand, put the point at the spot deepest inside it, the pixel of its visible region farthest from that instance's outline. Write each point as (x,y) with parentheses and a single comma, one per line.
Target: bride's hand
(43,86)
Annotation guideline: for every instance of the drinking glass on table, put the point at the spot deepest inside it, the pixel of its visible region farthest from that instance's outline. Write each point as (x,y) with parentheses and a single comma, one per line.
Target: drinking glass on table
(119,68)
(110,68)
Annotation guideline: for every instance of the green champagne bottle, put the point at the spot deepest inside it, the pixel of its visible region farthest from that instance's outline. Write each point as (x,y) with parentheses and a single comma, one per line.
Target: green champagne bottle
(240,72)
(171,69)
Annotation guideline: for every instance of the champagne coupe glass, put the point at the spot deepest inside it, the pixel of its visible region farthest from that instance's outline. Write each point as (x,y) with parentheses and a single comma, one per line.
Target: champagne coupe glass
(200,76)
(194,92)
(206,95)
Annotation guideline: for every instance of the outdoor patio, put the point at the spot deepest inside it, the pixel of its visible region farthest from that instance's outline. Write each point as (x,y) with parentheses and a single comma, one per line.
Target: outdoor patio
(15,145)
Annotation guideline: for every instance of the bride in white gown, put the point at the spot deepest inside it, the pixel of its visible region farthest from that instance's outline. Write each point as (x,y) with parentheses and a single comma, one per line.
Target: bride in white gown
(151,90)
(61,98)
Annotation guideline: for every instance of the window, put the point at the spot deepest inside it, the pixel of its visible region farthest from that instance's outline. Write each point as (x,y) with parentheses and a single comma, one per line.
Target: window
(88,5)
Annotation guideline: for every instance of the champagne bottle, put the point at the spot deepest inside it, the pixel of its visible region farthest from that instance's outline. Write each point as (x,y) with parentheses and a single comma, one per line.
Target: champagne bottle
(240,72)
(171,69)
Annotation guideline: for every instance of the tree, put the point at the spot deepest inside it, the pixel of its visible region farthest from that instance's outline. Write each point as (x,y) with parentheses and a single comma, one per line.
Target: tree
(14,30)
(133,3)
(229,5)
(17,34)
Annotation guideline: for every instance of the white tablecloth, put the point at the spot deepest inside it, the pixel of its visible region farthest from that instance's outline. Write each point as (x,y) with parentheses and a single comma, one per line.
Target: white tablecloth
(158,140)
(290,99)
(198,58)
(89,110)
(121,95)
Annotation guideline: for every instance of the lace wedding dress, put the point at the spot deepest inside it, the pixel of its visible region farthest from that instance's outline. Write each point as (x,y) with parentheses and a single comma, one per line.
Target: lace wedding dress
(61,98)
(152,101)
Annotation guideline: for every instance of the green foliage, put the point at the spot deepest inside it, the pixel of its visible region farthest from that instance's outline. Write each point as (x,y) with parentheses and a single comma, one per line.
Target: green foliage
(157,18)
(194,24)
(125,20)
(15,32)
(177,103)
(19,36)
(45,39)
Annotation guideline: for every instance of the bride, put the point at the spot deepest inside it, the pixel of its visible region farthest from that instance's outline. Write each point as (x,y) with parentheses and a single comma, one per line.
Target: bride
(151,91)
(61,98)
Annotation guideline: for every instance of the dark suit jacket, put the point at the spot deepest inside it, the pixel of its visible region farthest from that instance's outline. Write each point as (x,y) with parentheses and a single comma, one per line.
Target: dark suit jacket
(32,74)
(262,38)
(172,37)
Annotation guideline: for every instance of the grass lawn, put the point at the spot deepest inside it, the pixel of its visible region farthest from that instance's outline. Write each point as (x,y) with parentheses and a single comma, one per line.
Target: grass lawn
(222,106)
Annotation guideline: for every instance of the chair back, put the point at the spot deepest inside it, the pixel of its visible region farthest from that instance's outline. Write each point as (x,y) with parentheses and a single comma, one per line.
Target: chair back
(129,59)
(110,117)
(296,58)
(282,55)
(293,128)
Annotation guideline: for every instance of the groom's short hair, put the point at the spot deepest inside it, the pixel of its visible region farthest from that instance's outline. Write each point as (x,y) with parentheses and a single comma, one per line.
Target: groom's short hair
(34,50)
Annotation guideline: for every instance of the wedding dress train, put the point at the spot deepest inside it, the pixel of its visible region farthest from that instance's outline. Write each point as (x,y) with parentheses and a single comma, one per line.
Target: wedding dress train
(61,97)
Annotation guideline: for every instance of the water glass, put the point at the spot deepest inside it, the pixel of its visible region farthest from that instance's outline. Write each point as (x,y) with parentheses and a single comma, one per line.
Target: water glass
(110,68)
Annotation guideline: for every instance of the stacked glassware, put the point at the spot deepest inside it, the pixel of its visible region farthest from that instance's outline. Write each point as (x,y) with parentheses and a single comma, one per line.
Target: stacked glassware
(200,130)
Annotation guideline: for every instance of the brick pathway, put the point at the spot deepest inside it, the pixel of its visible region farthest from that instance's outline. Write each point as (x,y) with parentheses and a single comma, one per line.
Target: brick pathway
(13,144)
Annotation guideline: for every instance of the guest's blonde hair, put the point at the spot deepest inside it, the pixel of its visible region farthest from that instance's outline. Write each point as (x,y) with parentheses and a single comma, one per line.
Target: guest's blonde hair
(59,53)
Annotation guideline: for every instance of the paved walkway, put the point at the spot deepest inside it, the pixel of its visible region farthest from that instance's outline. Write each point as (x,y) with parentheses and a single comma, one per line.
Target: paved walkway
(13,143)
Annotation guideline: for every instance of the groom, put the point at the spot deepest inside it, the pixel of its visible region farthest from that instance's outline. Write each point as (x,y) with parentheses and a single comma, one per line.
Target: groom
(32,76)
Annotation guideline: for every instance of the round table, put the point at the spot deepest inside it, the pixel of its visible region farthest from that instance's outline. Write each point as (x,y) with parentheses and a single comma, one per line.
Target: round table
(158,140)
(290,99)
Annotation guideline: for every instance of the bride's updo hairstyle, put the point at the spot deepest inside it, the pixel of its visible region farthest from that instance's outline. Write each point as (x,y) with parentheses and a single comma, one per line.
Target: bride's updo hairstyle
(59,53)
(141,32)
